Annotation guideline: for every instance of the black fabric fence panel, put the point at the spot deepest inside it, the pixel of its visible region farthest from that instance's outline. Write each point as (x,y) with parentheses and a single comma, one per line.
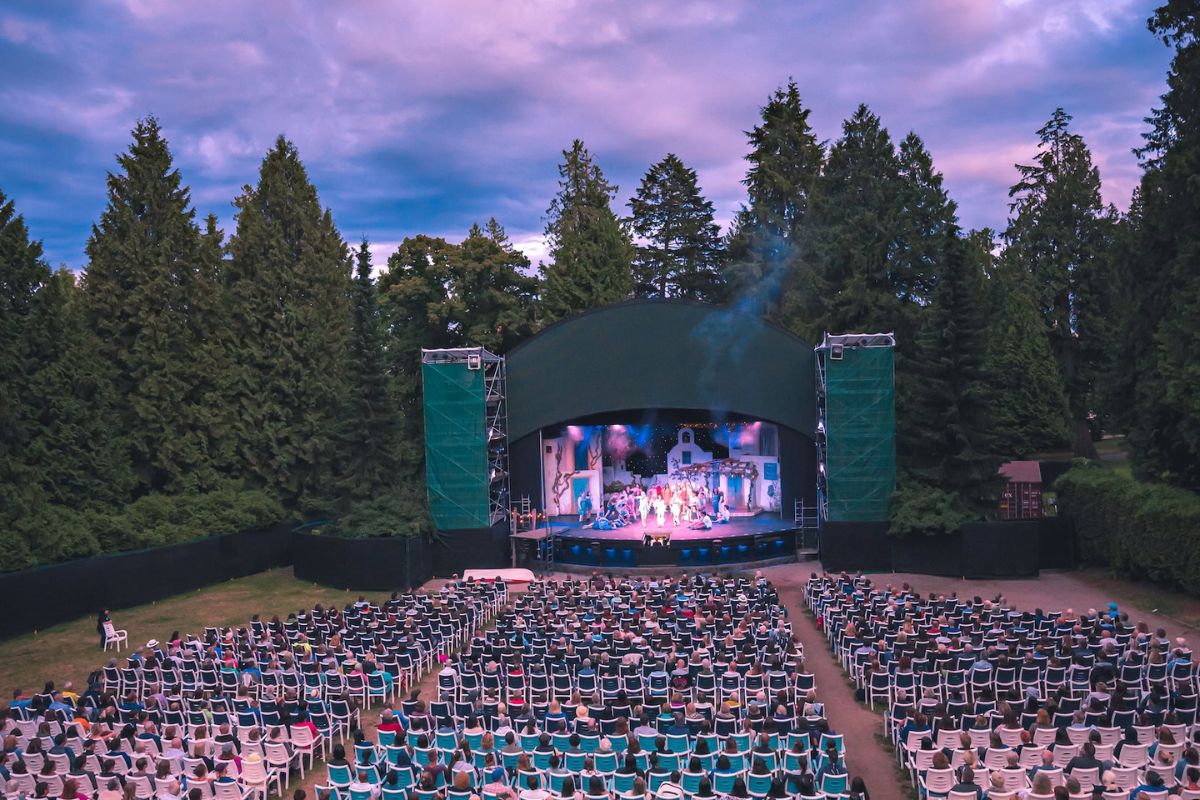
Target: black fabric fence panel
(388,563)
(928,555)
(474,548)
(1000,549)
(853,546)
(44,596)
(978,550)
(1056,543)
(525,469)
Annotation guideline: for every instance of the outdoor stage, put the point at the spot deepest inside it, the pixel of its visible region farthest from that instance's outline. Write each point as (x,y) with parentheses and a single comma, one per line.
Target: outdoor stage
(762,538)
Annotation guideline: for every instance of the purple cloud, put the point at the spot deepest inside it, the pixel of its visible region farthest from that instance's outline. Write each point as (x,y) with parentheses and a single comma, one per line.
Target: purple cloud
(422,118)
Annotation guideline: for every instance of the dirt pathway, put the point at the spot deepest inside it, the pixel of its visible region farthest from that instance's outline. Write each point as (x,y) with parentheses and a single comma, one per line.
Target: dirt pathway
(865,755)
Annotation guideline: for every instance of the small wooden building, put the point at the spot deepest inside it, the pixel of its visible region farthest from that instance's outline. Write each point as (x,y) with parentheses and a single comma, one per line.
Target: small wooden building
(1022,497)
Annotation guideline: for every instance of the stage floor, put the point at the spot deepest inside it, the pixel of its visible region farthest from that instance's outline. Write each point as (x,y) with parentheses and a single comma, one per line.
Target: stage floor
(766,523)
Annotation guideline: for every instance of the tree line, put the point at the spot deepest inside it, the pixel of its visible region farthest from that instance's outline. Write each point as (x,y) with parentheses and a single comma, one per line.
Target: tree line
(190,380)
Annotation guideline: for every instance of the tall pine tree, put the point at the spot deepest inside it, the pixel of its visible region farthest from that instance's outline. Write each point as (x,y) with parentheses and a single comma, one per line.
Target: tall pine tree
(1059,230)
(679,249)
(765,258)
(590,251)
(289,288)
(950,456)
(1029,399)
(23,274)
(60,454)
(855,220)
(152,301)
(368,442)
(1164,313)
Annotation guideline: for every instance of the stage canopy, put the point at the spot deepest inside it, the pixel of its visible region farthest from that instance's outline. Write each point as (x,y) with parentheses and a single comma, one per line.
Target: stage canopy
(647,354)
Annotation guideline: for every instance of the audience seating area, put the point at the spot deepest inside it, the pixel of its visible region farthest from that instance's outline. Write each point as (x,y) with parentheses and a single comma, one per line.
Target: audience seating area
(629,688)
(230,714)
(1017,702)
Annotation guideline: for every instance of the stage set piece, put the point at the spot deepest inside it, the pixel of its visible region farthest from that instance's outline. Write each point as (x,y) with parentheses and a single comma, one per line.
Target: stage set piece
(657,433)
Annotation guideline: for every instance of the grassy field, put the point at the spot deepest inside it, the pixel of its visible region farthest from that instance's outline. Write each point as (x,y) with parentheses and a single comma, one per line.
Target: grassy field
(1179,606)
(71,651)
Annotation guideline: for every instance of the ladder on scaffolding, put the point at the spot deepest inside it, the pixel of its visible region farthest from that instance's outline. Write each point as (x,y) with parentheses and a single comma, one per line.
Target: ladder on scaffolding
(526,520)
(808,530)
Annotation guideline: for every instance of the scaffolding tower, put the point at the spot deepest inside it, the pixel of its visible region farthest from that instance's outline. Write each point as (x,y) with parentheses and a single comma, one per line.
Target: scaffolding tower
(466,437)
(856,426)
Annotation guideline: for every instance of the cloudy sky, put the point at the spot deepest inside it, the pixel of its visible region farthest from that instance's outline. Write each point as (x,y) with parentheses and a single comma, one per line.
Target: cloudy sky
(424,117)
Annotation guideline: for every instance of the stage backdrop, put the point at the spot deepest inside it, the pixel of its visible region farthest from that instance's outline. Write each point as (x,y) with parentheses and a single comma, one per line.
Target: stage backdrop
(656,354)
(660,354)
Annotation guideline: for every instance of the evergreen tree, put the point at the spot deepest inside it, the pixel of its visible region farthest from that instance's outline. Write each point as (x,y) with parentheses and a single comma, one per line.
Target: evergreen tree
(1059,231)
(952,450)
(369,430)
(928,227)
(23,274)
(493,294)
(765,259)
(1163,279)
(589,249)
(78,457)
(289,286)
(58,452)
(1029,400)
(855,221)
(679,249)
(152,303)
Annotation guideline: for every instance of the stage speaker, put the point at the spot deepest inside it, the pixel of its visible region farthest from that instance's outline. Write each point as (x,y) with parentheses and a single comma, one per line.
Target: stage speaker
(835,352)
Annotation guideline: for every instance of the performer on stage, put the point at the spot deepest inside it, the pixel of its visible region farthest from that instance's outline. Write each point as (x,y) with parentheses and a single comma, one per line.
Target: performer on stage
(660,509)
(585,505)
(723,512)
(643,507)
(676,504)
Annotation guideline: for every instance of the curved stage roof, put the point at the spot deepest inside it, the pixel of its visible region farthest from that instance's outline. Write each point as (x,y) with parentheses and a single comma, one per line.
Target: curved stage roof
(661,354)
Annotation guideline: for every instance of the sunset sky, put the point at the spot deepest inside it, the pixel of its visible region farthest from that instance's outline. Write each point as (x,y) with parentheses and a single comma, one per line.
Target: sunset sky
(425,117)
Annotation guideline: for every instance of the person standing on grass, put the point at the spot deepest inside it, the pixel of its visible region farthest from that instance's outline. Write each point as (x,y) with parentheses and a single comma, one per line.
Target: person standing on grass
(102,618)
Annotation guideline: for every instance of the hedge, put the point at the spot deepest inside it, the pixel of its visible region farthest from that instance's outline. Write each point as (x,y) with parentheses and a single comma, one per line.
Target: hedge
(52,533)
(1142,531)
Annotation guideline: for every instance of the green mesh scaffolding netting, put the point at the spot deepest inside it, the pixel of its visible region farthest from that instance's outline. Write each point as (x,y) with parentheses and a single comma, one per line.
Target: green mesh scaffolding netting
(860,430)
(456,467)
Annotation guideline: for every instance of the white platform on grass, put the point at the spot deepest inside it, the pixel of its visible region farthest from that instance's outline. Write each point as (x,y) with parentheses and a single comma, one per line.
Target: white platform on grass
(507,575)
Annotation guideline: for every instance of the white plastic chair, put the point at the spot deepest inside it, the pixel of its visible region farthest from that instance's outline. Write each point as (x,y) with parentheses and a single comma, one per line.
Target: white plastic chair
(114,637)
(258,777)
(230,790)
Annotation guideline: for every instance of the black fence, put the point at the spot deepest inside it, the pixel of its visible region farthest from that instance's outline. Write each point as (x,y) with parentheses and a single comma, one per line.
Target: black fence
(1014,549)
(44,596)
(389,563)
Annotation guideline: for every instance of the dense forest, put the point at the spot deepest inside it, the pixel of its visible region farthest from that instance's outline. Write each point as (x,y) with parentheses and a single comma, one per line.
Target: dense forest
(193,380)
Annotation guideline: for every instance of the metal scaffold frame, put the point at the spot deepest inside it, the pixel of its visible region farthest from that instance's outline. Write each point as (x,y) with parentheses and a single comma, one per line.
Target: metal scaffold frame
(832,348)
(495,418)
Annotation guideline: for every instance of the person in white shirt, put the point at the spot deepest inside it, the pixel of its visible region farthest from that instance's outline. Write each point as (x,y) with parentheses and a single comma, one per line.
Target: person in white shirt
(531,790)
(361,785)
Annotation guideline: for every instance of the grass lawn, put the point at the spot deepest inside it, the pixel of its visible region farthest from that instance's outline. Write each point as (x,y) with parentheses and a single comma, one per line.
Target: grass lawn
(1177,605)
(1111,448)
(70,651)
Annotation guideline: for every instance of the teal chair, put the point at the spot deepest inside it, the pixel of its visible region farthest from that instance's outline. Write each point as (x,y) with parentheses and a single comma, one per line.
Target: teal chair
(758,785)
(606,763)
(723,781)
(690,781)
(834,784)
